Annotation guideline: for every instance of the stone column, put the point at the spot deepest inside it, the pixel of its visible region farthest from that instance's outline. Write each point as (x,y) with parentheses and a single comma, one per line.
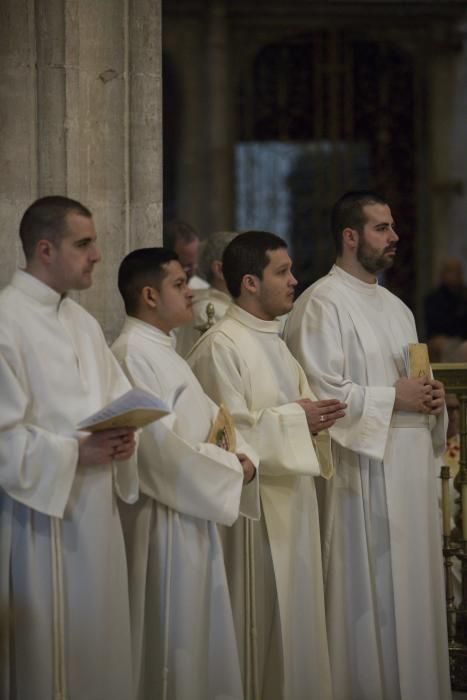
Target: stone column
(80,109)
(184,47)
(220,178)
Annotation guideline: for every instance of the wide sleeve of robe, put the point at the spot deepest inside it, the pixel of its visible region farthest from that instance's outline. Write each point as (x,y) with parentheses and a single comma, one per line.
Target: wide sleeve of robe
(201,480)
(316,338)
(37,466)
(279,434)
(125,472)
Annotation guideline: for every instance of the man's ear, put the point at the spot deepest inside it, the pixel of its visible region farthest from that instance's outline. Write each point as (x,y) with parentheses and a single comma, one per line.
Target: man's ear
(150,297)
(45,251)
(350,238)
(216,269)
(250,283)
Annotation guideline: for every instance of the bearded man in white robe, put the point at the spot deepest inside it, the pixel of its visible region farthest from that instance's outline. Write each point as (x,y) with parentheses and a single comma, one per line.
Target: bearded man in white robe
(183,632)
(382,563)
(274,567)
(64,606)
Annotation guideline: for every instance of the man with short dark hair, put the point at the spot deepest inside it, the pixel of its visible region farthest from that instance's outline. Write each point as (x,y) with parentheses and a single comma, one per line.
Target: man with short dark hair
(64,609)
(274,566)
(183,633)
(384,592)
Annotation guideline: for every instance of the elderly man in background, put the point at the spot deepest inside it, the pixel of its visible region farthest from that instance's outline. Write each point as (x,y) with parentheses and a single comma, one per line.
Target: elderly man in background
(184,240)
(210,268)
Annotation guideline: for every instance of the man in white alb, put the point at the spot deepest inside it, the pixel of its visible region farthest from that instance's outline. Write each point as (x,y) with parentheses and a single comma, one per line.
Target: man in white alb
(183,633)
(381,539)
(64,606)
(274,567)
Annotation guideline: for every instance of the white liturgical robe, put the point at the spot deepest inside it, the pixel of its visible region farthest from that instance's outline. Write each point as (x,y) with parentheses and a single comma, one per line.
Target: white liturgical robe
(63,575)
(243,363)
(380,529)
(183,632)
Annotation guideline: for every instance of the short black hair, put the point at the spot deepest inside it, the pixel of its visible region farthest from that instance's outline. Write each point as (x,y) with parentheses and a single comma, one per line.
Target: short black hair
(174,231)
(247,255)
(141,268)
(347,212)
(45,219)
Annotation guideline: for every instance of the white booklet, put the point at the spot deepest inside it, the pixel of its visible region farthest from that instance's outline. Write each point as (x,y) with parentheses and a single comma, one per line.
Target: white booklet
(135,409)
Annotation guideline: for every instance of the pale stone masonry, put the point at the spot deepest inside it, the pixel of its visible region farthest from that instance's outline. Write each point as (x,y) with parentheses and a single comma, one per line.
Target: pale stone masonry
(81,115)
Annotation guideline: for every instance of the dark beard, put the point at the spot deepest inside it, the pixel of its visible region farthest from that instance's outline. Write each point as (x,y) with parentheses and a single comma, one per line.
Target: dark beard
(373,262)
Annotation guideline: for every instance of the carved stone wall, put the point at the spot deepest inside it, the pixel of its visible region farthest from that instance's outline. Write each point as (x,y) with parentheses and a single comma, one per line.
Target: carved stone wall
(80,115)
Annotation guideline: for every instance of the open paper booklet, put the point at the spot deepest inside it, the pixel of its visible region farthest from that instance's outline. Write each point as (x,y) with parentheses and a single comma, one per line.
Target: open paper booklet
(416,360)
(222,432)
(135,409)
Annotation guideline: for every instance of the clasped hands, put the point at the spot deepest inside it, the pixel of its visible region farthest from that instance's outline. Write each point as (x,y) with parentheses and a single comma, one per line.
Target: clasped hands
(105,446)
(420,395)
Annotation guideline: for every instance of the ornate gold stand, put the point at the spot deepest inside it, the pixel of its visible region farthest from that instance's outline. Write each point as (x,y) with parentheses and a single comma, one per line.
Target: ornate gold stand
(454,378)
(210,311)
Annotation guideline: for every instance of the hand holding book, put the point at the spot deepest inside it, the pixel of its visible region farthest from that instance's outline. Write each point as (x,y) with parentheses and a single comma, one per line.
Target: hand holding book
(223,435)
(418,392)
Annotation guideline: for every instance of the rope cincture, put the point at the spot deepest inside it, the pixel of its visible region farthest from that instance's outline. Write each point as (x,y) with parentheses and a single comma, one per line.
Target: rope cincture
(58,617)
(251,636)
(168,587)
(254,634)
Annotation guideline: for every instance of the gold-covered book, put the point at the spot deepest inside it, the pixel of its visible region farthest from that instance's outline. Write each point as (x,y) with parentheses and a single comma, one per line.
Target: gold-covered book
(417,360)
(222,432)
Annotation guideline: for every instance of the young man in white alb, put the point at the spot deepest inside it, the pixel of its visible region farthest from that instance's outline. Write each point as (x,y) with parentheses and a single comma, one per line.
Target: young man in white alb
(183,634)
(274,566)
(64,606)
(384,590)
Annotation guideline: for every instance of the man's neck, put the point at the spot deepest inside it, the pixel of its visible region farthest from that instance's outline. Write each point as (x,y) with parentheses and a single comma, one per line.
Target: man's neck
(151,320)
(253,308)
(354,268)
(40,274)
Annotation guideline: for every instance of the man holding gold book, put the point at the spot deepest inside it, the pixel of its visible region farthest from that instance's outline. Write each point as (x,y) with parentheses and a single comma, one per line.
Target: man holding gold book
(380,530)
(64,612)
(184,643)
(274,566)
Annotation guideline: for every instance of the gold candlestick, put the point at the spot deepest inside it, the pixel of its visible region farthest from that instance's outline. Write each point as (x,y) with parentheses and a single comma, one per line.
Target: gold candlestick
(445,501)
(454,378)
(210,311)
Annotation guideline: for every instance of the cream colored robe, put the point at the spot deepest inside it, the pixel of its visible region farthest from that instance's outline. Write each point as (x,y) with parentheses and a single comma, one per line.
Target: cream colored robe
(188,335)
(243,362)
(380,529)
(181,613)
(55,370)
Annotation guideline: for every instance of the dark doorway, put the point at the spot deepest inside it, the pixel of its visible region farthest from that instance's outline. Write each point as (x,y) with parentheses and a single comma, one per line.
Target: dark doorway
(351,104)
